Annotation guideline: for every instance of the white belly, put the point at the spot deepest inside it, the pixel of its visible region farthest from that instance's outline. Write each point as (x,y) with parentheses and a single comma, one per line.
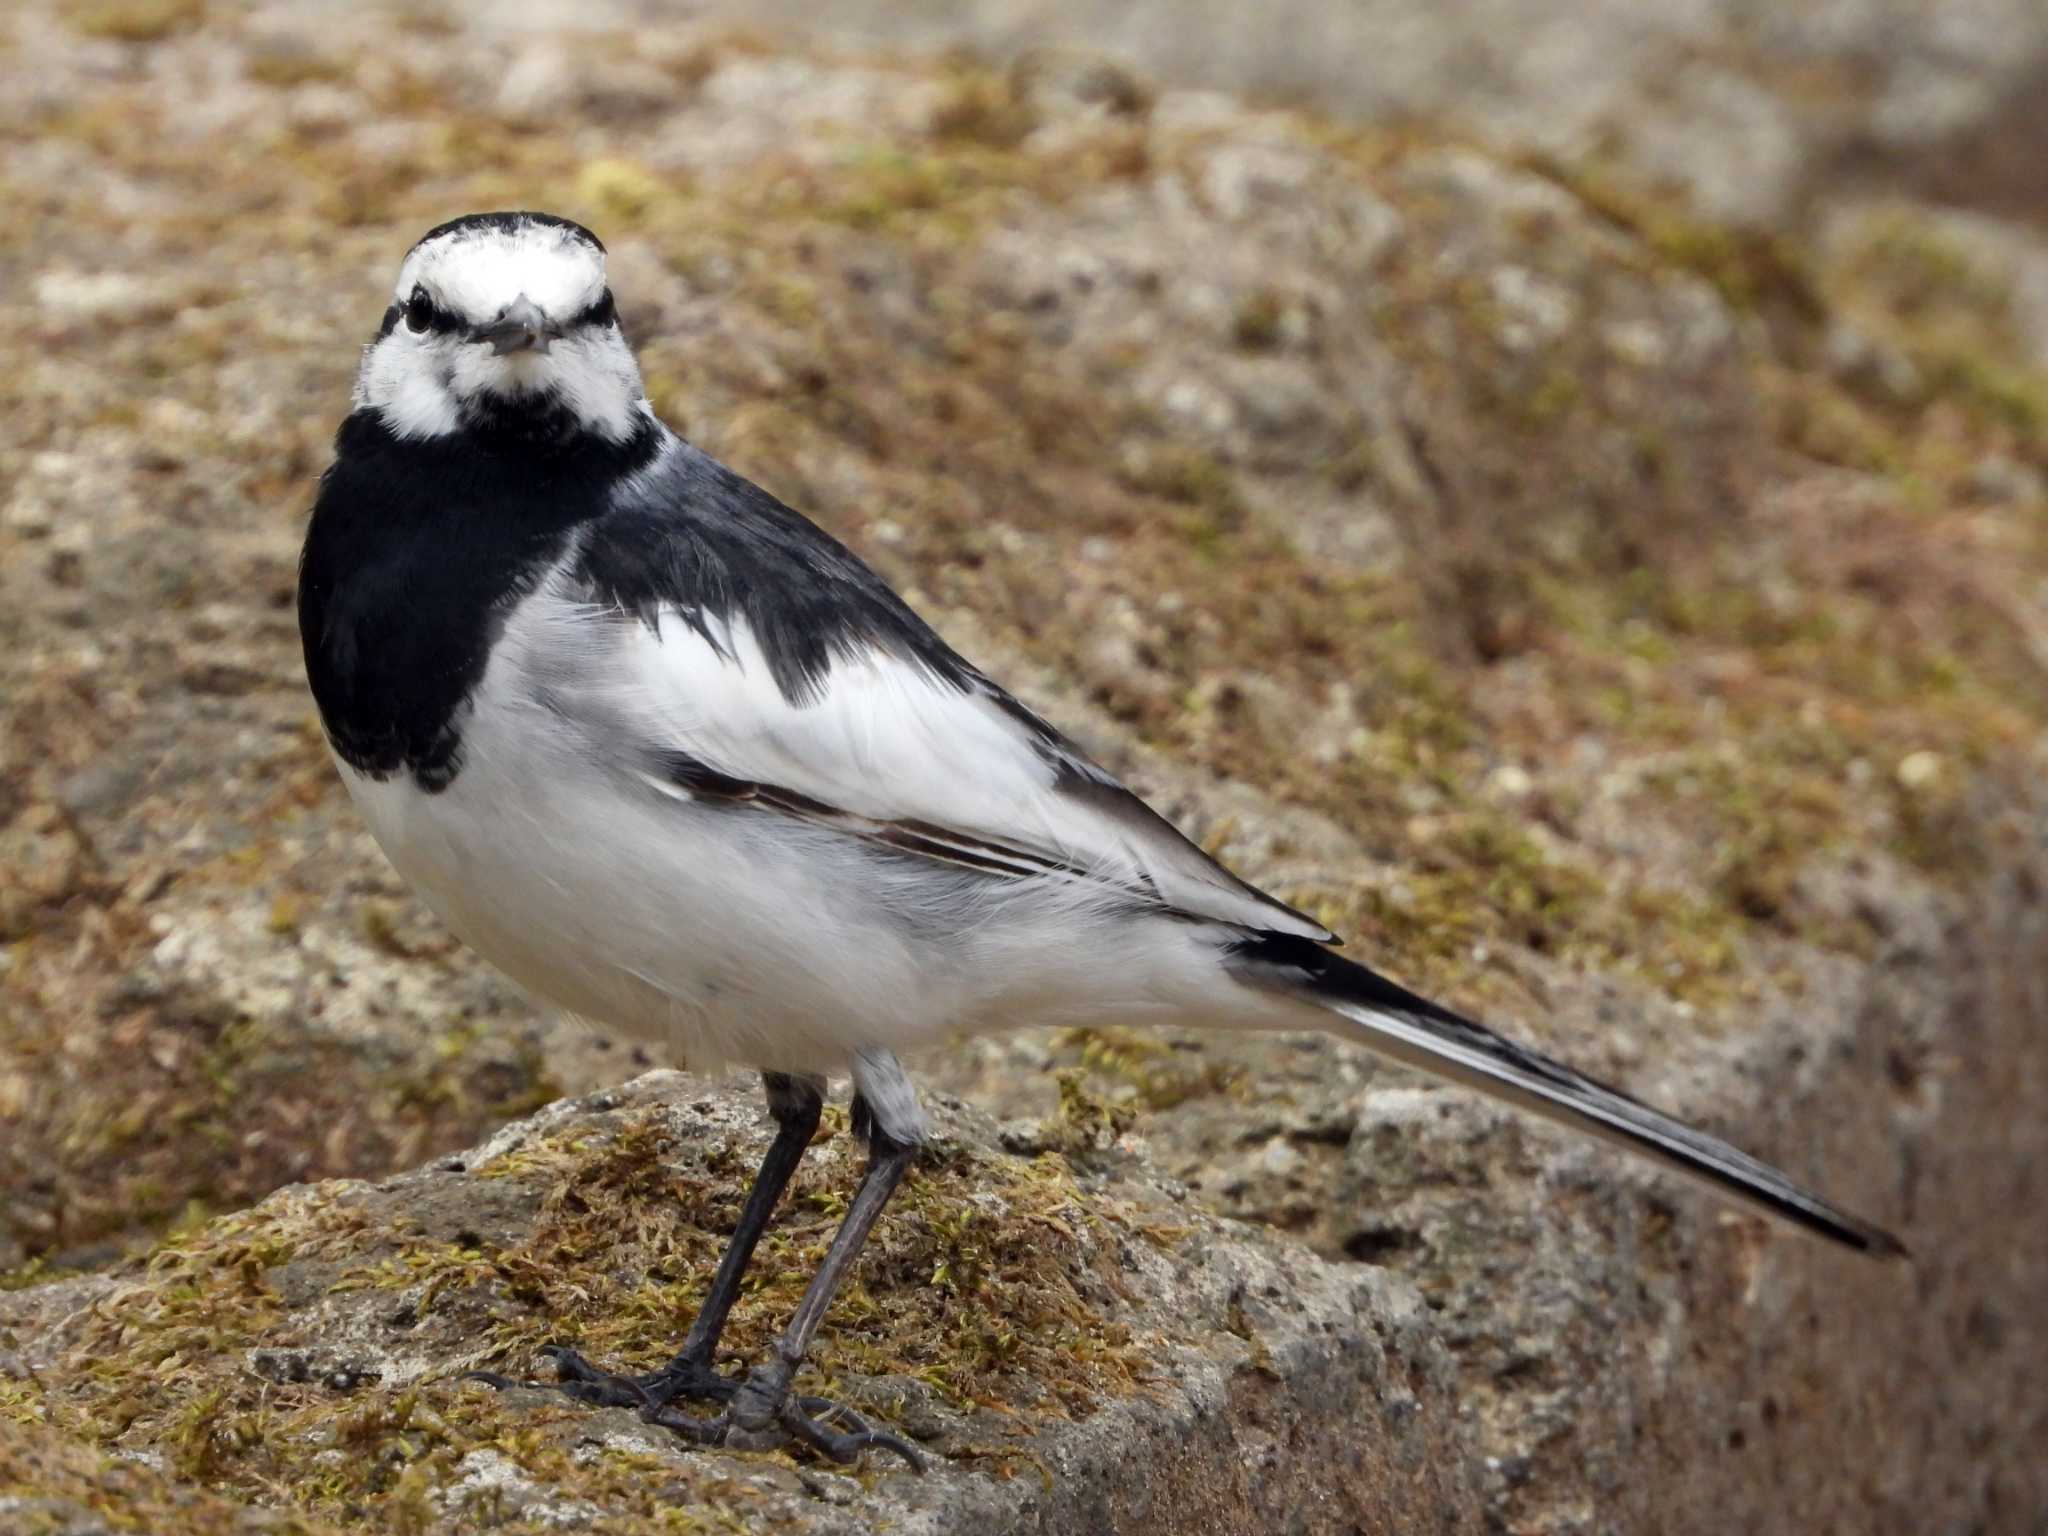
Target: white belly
(736,935)
(665,921)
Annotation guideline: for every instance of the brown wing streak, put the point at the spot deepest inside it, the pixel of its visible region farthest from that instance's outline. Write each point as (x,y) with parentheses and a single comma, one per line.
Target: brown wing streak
(992,856)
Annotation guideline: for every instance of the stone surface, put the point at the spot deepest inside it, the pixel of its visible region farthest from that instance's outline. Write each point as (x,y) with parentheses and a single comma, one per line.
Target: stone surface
(1624,615)
(1273,1390)
(1750,108)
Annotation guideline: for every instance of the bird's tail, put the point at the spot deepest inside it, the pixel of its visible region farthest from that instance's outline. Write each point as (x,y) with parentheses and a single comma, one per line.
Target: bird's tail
(1395,1022)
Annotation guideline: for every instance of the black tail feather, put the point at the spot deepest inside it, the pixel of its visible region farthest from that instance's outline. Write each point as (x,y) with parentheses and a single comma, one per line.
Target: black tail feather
(1398,1023)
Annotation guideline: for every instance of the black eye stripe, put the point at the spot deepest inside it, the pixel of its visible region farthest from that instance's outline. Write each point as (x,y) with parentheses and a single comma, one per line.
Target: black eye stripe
(601,312)
(423,314)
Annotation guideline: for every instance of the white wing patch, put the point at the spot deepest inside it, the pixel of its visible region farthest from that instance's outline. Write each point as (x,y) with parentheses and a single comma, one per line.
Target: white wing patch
(882,739)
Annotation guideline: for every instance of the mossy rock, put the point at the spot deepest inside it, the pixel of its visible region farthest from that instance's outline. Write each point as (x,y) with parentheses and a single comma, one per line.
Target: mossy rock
(305,1357)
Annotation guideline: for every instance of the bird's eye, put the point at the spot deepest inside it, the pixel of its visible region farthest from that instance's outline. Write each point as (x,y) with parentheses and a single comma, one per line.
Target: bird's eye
(419,309)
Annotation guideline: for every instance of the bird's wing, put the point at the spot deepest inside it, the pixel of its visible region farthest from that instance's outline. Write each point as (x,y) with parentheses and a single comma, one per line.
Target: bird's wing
(753,661)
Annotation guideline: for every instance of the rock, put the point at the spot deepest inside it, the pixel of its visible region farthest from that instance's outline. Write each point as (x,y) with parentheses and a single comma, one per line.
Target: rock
(40,864)
(1998,478)
(65,295)
(1143,1366)
(1746,109)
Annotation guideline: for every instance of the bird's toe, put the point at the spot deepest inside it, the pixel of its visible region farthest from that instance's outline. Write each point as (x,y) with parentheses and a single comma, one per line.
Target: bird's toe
(810,1420)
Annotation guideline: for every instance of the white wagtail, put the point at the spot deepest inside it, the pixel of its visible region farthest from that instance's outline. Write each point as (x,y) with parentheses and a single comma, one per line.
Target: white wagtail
(678,761)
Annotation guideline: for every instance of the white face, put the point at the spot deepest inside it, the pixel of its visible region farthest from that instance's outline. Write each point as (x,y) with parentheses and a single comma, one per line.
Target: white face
(495,315)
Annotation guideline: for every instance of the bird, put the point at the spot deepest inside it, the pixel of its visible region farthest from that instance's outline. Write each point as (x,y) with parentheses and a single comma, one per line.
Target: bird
(677,761)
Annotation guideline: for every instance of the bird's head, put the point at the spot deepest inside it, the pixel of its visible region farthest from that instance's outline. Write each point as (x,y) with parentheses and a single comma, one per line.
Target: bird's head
(502,322)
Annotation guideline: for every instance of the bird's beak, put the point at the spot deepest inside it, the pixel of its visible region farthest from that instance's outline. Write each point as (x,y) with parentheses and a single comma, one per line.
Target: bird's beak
(522,328)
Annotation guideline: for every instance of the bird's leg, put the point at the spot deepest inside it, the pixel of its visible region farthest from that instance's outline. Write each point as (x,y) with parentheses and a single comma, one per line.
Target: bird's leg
(764,1399)
(886,1112)
(795,1102)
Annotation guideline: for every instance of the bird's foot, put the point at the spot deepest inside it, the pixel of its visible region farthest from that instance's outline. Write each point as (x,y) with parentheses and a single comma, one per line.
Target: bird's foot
(652,1393)
(761,1406)
(765,1403)
(687,1375)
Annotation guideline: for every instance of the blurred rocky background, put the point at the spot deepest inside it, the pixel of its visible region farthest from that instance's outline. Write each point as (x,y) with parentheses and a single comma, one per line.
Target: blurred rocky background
(1558,491)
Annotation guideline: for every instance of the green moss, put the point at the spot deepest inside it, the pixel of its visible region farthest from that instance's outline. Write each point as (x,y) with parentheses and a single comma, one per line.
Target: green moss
(1933,825)
(1918,273)
(36,1271)
(283,68)
(984,1281)
(1143,1068)
(1557,393)
(620,192)
(2012,395)
(1905,279)
(1817,418)
(1257,326)
(1198,482)
(1479,884)
(1761,822)
(64,1487)
(1753,269)
(982,107)
(135,21)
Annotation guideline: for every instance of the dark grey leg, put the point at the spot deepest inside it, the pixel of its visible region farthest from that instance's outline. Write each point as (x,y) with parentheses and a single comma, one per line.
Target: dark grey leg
(764,1399)
(796,1103)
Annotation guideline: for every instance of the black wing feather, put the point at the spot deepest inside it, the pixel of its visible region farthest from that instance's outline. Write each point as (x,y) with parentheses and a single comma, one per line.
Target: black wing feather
(690,537)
